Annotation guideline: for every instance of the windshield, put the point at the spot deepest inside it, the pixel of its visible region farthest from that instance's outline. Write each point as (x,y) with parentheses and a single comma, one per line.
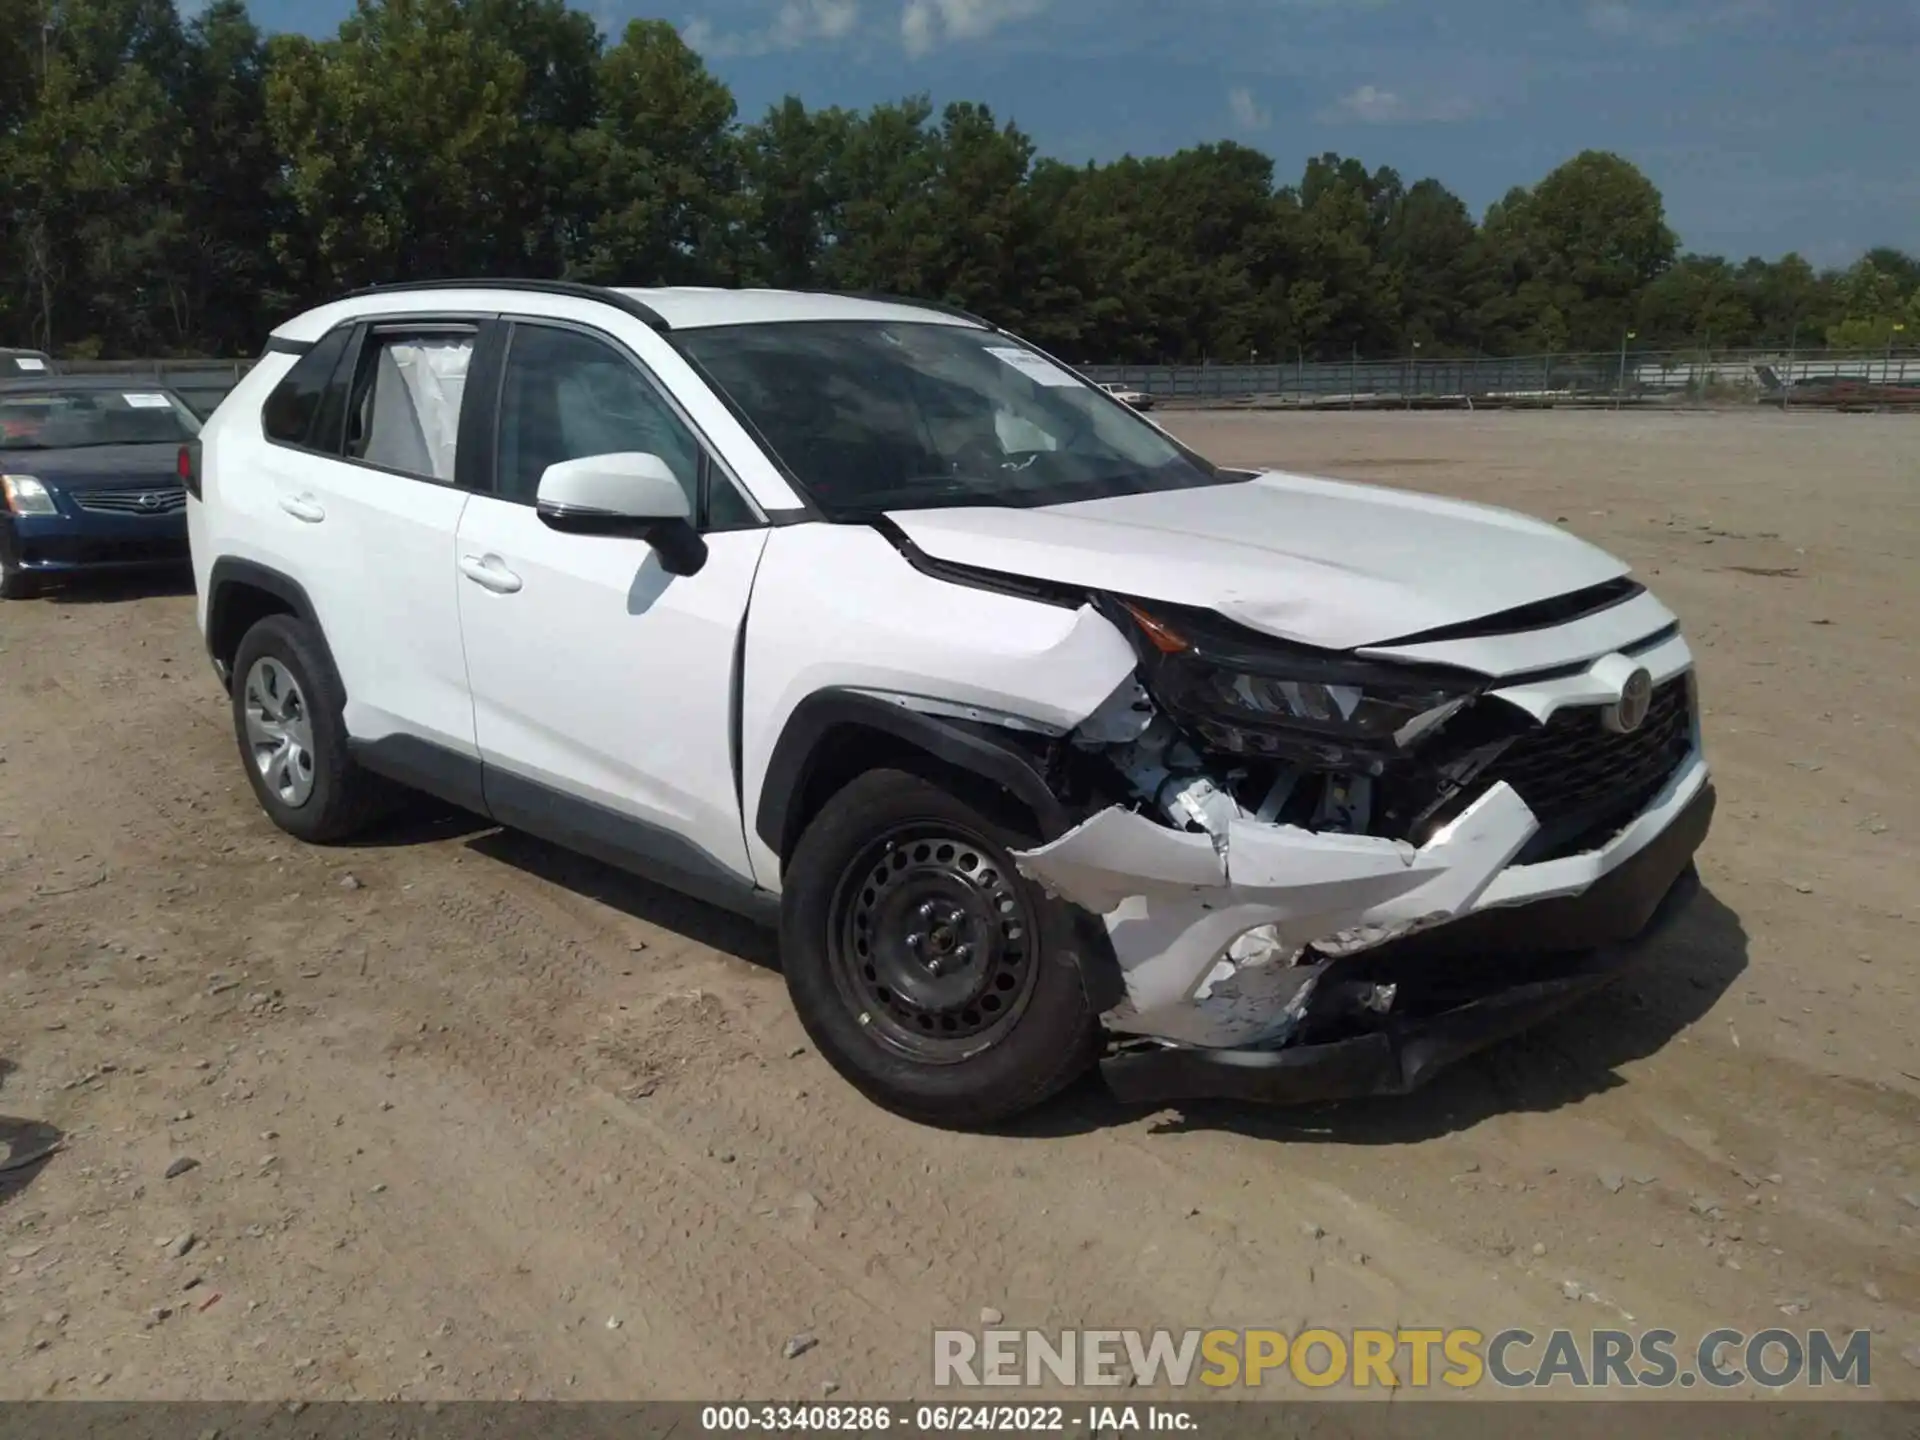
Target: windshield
(872,416)
(83,419)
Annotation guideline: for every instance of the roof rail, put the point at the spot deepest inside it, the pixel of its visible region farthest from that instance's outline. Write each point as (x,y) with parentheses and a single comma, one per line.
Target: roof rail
(939,307)
(644,313)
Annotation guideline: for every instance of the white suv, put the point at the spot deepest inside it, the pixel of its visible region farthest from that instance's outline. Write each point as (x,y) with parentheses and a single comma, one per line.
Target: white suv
(1037,734)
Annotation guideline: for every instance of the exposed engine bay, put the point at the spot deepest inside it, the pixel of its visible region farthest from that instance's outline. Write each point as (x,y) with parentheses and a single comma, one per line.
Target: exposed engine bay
(1257,812)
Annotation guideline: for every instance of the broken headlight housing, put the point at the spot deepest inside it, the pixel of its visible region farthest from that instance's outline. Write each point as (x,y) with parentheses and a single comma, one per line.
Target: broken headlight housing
(1248,694)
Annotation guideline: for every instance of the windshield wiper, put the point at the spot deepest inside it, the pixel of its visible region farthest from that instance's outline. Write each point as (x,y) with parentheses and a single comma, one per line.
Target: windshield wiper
(946,489)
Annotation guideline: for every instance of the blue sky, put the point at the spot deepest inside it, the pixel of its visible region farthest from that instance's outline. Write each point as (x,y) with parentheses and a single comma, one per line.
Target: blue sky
(1769,125)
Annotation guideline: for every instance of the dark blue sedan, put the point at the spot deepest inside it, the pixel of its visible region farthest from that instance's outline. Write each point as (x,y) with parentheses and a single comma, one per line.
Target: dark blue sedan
(90,478)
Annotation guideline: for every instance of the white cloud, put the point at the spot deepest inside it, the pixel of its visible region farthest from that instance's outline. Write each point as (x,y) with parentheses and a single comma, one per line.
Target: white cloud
(796,24)
(1374,105)
(1248,113)
(927,24)
(1671,22)
(1371,105)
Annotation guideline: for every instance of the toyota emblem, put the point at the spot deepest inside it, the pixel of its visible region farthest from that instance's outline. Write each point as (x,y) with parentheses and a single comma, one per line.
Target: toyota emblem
(1629,713)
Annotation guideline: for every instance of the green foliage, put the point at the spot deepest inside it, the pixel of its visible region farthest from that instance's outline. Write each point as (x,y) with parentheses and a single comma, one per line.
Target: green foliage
(1877,302)
(658,169)
(176,188)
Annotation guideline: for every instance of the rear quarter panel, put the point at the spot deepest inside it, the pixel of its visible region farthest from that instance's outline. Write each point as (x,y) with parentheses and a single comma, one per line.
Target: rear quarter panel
(225,520)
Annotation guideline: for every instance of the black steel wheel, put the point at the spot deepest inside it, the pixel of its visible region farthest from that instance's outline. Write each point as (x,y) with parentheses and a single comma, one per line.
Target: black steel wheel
(935,943)
(926,968)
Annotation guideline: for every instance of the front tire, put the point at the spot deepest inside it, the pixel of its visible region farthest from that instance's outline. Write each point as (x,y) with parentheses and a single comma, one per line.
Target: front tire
(287,716)
(929,972)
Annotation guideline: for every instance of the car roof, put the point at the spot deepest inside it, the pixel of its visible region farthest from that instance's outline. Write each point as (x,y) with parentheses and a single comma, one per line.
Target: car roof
(686,307)
(44,384)
(696,308)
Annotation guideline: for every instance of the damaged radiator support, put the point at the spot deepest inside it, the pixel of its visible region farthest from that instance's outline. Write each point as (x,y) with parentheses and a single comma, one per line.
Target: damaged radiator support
(1256,982)
(1242,891)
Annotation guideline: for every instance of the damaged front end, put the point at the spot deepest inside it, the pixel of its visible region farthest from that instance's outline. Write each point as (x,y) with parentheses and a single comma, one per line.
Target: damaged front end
(1324,876)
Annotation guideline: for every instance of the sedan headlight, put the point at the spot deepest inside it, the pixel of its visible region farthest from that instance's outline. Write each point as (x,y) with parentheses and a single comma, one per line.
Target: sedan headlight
(1247,694)
(27,496)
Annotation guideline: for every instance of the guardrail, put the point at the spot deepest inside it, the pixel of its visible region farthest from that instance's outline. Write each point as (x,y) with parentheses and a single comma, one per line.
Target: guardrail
(1856,380)
(1864,380)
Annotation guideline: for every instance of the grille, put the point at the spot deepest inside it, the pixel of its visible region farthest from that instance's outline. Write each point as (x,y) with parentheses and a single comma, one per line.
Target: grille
(141,500)
(1580,779)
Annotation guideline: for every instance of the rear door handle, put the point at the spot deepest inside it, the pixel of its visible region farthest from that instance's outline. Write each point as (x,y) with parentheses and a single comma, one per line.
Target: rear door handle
(303,508)
(490,573)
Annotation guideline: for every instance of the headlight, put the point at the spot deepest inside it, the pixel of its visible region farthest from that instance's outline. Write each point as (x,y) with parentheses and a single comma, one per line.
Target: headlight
(27,496)
(1250,695)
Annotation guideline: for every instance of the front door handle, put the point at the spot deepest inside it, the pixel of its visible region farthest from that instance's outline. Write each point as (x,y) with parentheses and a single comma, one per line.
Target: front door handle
(303,508)
(490,573)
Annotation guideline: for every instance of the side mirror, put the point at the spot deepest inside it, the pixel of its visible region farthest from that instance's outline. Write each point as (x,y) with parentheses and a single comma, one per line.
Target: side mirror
(632,495)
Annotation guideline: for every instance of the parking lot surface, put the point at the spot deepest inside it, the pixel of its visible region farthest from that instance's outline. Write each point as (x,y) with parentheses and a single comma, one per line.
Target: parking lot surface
(470,1117)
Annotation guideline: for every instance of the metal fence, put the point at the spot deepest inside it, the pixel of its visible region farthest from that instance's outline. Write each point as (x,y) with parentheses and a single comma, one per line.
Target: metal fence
(1851,380)
(1834,379)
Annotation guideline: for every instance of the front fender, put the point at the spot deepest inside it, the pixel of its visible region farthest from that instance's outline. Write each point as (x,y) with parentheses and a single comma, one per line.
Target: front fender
(821,721)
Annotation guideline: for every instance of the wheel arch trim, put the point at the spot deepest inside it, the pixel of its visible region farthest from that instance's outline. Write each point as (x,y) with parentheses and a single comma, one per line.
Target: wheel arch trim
(815,722)
(230,575)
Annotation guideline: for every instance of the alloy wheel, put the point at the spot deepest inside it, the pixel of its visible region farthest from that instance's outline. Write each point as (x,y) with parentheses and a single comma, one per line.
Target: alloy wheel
(279,731)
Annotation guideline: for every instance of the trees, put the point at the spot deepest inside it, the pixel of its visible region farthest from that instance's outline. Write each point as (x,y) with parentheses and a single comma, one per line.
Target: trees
(404,147)
(659,169)
(1873,302)
(1576,253)
(85,167)
(170,186)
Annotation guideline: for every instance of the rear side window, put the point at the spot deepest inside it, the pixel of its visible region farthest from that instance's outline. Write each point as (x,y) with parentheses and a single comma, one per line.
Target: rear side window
(295,401)
(403,412)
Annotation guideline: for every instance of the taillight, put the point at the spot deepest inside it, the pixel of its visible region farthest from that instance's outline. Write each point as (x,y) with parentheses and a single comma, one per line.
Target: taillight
(188,467)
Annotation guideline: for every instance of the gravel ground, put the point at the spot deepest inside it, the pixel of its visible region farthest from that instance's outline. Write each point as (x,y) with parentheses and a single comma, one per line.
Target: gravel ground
(468,1117)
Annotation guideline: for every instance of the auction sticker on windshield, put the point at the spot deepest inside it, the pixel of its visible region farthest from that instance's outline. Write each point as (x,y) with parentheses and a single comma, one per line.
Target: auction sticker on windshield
(148,402)
(1036,368)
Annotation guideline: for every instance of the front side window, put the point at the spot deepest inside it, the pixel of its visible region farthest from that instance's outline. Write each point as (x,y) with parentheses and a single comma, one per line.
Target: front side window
(870,416)
(568,396)
(403,412)
(89,419)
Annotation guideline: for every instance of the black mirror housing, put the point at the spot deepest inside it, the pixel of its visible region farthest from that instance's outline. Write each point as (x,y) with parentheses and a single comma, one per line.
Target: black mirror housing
(680,547)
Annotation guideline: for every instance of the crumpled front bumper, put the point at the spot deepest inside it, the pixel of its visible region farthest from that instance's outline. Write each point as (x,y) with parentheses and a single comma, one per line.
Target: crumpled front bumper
(1397,922)
(1519,984)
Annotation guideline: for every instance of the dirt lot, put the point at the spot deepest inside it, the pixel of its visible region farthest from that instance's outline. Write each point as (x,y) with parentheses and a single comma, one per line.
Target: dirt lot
(473,1118)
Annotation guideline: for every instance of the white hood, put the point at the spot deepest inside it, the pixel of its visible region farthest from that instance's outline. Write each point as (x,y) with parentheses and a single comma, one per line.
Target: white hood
(1320,562)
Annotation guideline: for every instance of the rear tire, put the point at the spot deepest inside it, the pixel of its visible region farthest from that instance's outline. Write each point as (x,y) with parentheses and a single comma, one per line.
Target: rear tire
(930,973)
(287,716)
